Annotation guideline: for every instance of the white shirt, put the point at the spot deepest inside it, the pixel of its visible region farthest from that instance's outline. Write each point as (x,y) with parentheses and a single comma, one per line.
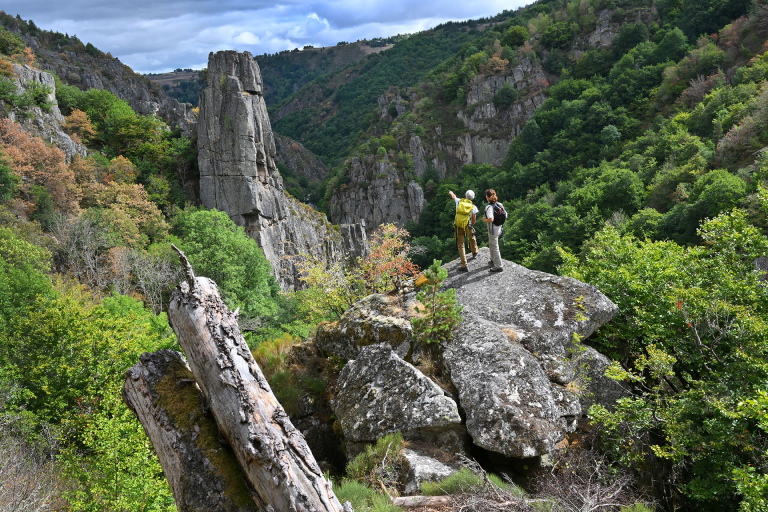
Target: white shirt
(493,229)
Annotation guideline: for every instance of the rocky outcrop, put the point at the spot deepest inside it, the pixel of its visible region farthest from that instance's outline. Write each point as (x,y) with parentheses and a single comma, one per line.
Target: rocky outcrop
(298,159)
(378,193)
(379,393)
(106,72)
(514,361)
(373,320)
(510,404)
(48,125)
(239,176)
(541,310)
(515,366)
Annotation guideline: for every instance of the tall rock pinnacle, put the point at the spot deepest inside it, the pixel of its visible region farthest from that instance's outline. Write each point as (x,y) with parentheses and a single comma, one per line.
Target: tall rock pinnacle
(238,174)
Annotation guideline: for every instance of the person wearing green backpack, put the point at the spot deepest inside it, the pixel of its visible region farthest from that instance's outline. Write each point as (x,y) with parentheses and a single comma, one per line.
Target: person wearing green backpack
(464,225)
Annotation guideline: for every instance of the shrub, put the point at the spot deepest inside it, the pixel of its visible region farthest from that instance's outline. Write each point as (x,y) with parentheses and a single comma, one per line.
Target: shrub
(440,309)
(505,96)
(10,44)
(515,37)
(380,463)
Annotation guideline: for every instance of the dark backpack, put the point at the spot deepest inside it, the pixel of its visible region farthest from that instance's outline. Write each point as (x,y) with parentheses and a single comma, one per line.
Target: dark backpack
(499,214)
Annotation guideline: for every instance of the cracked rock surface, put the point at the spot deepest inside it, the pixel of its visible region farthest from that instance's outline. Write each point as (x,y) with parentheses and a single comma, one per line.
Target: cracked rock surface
(379,393)
(372,320)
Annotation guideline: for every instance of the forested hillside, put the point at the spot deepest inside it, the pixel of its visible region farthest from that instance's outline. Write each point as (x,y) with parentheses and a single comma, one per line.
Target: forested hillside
(626,139)
(329,114)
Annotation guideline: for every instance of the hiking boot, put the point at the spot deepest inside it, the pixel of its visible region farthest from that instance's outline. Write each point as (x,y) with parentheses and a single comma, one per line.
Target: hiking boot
(497,269)
(490,263)
(463,269)
(474,255)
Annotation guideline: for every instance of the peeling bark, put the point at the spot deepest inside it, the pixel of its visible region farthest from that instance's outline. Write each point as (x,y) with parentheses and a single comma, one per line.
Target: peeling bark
(203,473)
(273,454)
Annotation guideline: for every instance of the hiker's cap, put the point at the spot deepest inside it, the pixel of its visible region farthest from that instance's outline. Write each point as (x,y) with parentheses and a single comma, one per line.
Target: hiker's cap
(470,195)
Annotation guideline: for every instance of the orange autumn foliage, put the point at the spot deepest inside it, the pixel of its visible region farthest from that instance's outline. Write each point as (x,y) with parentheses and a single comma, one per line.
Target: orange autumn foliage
(121,170)
(79,126)
(387,263)
(127,210)
(38,163)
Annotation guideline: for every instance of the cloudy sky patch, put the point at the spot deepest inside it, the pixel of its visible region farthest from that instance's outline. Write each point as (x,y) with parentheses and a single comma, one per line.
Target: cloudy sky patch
(157,36)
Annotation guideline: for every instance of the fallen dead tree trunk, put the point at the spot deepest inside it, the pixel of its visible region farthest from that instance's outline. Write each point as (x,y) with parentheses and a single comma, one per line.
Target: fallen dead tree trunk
(202,472)
(272,453)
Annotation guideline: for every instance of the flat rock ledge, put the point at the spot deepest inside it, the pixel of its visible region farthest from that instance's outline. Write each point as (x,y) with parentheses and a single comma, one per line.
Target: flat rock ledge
(543,310)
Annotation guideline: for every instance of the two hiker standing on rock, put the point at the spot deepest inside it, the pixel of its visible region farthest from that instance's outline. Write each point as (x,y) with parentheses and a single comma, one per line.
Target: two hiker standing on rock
(466,213)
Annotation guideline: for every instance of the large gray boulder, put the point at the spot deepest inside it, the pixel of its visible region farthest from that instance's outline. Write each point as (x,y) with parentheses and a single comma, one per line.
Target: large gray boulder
(238,174)
(378,393)
(511,406)
(372,320)
(522,380)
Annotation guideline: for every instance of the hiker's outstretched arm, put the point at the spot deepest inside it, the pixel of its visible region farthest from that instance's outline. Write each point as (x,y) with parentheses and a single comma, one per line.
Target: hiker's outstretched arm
(453,196)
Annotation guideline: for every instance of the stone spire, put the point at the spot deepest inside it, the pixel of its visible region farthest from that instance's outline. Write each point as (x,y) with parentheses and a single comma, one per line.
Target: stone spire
(238,174)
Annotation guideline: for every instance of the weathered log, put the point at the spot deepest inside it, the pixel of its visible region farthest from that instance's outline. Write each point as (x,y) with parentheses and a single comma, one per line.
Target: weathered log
(272,453)
(203,473)
(421,501)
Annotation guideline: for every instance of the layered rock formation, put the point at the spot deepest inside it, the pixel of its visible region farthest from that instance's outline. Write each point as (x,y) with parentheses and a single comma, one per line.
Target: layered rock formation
(238,174)
(516,367)
(45,124)
(377,193)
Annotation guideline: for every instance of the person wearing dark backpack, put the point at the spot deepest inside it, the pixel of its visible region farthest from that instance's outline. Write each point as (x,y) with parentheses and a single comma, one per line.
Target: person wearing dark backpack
(464,225)
(495,215)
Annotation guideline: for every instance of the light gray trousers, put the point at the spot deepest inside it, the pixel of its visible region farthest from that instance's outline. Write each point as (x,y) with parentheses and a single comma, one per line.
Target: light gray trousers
(493,244)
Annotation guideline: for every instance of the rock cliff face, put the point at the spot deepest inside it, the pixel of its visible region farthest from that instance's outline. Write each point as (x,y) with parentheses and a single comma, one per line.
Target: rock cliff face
(492,129)
(106,72)
(238,174)
(298,159)
(378,194)
(46,125)
(516,372)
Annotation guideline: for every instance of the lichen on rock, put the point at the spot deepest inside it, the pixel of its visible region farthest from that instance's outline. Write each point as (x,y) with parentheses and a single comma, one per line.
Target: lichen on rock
(373,320)
(379,393)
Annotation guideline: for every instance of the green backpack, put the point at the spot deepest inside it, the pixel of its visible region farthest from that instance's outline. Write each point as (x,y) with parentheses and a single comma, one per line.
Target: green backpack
(463,213)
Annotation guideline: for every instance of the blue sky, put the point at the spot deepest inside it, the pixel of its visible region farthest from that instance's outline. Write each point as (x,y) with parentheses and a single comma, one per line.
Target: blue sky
(157,35)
